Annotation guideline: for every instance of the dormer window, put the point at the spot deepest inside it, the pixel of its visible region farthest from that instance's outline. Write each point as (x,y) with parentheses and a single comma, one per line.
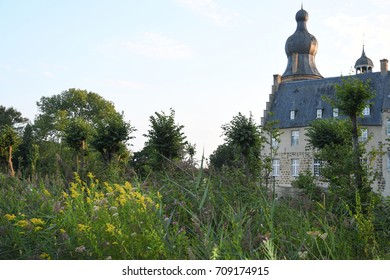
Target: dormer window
(335,112)
(366,111)
(292,114)
(319,113)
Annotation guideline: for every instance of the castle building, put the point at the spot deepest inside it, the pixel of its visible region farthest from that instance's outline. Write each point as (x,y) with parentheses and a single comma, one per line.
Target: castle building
(297,99)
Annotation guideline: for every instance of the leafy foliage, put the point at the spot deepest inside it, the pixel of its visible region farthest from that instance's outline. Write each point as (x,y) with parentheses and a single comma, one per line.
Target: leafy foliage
(166,140)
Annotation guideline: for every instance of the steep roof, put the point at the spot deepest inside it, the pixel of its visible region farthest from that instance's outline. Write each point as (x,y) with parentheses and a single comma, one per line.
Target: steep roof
(306,96)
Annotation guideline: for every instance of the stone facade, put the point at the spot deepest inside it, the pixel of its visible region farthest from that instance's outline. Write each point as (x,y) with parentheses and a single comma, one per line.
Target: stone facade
(296,99)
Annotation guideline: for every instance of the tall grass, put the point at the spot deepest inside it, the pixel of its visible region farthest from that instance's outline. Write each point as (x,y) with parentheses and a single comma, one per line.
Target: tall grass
(183,215)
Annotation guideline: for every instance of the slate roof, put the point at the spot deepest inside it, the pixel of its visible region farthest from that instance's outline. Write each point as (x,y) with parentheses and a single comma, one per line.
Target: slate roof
(306,96)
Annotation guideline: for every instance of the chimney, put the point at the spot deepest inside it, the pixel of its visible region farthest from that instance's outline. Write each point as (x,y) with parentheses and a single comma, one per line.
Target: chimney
(384,66)
(277,81)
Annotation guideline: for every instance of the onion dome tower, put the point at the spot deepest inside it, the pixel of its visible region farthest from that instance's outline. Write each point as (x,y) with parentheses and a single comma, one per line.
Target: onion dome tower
(363,64)
(301,48)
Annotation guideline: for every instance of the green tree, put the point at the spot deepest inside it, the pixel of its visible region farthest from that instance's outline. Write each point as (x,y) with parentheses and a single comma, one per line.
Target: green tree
(57,111)
(224,155)
(10,127)
(110,136)
(166,140)
(244,136)
(9,140)
(76,134)
(81,118)
(11,117)
(352,96)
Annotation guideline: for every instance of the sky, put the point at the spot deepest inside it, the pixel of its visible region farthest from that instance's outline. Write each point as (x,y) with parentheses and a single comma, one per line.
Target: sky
(206,59)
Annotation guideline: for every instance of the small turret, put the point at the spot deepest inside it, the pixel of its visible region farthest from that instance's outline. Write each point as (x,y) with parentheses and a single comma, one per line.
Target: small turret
(363,64)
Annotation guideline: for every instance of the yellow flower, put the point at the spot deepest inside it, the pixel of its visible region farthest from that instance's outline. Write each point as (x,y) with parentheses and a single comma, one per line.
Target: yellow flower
(73,191)
(22,223)
(82,227)
(44,256)
(37,228)
(36,221)
(110,228)
(65,195)
(108,187)
(62,231)
(128,186)
(46,193)
(10,217)
(121,199)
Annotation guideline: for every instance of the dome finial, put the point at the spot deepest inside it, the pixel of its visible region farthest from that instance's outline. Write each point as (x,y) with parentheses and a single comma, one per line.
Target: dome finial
(302,5)
(363,64)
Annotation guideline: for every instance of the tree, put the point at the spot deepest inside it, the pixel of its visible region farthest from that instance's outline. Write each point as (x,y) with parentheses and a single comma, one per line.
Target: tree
(331,140)
(224,155)
(352,96)
(11,117)
(10,121)
(9,140)
(80,117)
(337,141)
(57,111)
(110,136)
(244,136)
(166,140)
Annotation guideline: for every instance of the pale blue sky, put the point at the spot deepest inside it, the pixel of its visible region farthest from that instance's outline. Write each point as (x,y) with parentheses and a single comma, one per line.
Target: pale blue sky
(207,59)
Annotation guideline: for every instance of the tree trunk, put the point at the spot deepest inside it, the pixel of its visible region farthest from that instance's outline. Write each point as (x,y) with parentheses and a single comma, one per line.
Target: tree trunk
(10,165)
(356,154)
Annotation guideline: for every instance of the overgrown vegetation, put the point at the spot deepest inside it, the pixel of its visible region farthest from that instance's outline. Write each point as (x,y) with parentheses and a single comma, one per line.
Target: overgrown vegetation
(78,192)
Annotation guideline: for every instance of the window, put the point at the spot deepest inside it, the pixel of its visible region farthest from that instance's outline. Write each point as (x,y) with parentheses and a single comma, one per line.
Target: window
(335,112)
(295,138)
(319,113)
(317,166)
(366,111)
(274,142)
(292,115)
(276,167)
(363,135)
(388,127)
(388,161)
(294,167)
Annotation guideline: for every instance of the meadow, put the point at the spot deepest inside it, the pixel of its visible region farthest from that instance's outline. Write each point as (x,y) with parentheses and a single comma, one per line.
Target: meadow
(184,214)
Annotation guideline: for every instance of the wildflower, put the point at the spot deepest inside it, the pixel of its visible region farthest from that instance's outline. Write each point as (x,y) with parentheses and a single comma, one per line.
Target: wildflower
(37,228)
(46,193)
(64,234)
(10,217)
(80,249)
(110,228)
(73,191)
(318,234)
(44,256)
(65,194)
(303,255)
(82,227)
(22,223)
(95,208)
(121,199)
(108,187)
(90,176)
(128,186)
(37,222)
(115,215)
(113,209)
